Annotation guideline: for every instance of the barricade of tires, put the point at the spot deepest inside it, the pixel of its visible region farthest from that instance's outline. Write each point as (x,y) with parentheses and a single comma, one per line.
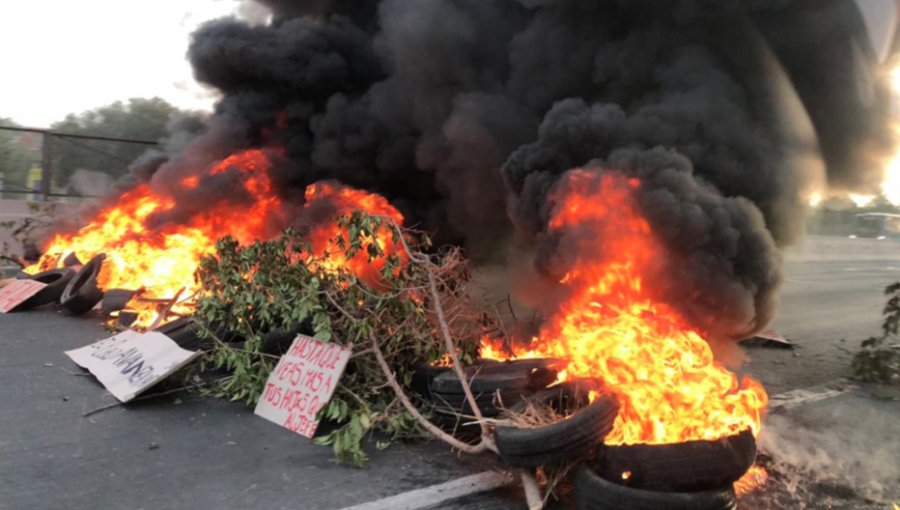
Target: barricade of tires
(694,475)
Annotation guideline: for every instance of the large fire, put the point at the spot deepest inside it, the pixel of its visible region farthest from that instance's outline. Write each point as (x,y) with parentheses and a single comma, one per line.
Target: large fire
(608,327)
(162,260)
(670,387)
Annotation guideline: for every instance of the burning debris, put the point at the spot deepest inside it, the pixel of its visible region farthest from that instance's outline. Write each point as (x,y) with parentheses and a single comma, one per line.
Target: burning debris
(633,151)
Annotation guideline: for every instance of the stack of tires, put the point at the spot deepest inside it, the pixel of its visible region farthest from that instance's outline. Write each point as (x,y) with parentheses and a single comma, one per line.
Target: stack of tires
(694,475)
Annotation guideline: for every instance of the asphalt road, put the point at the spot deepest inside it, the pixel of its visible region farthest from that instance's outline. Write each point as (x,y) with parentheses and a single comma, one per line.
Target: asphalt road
(827,308)
(192,452)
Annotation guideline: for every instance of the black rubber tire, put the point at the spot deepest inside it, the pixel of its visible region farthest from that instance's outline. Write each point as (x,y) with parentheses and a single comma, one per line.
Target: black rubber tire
(490,404)
(592,492)
(424,374)
(183,331)
(486,378)
(56,280)
(576,436)
(71,260)
(683,467)
(115,300)
(422,377)
(82,293)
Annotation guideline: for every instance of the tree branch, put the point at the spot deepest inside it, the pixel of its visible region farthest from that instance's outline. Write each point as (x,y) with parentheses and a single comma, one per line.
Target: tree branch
(404,399)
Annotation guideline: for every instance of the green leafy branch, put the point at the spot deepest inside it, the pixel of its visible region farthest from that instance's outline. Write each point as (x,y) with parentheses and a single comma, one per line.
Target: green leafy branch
(405,320)
(877,361)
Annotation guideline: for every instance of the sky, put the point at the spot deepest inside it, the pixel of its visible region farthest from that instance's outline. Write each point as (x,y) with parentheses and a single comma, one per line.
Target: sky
(69,56)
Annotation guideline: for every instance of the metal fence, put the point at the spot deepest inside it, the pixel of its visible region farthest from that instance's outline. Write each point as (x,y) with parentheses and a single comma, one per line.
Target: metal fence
(41,188)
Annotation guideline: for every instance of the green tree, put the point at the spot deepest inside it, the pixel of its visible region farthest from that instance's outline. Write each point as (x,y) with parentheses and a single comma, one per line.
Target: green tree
(16,159)
(139,118)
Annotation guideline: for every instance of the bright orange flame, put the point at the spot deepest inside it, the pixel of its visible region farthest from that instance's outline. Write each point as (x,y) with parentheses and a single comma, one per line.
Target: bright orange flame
(345,200)
(752,480)
(162,260)
(609,327)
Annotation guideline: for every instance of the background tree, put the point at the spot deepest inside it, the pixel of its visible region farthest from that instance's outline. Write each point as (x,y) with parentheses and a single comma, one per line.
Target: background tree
(139,118)
(16,158)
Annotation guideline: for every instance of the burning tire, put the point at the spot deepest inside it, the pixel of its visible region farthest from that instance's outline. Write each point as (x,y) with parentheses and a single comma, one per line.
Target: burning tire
(82,293)
(592,492)
(56,281)
(683,467)
(561,441)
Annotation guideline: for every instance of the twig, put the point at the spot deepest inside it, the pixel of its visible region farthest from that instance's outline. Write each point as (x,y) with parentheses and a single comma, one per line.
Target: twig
(532,490)
(145,397)
(341,309)
(457,365)
(404,399)
(165,310)
(486,436)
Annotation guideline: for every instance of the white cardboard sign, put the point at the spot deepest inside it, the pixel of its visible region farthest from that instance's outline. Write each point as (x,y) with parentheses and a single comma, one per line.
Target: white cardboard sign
(131,362)
(302,383)
(15,293)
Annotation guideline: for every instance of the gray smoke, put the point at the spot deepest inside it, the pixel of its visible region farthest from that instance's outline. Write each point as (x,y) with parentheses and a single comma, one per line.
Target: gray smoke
(466,113)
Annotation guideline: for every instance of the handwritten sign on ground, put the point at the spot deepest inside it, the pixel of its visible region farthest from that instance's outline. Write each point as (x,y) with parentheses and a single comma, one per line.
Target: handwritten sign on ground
(131,362)
(15,293)
(302,383)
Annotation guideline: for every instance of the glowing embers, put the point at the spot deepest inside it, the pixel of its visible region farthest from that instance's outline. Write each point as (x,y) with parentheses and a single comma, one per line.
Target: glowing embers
(752,480)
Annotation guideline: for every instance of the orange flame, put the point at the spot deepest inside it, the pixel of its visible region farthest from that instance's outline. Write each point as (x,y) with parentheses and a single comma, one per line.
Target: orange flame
(670,388)
(345,200)
(163,260)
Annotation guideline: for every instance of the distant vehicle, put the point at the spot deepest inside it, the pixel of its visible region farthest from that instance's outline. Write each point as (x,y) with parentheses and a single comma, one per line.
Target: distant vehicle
(879,226)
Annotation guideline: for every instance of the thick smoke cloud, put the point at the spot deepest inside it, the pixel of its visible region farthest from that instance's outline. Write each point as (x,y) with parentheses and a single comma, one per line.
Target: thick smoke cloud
(465,113)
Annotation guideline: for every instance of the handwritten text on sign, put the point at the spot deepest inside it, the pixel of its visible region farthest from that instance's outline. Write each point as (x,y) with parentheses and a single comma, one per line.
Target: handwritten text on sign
(17,292)
(302,383)
(131,362)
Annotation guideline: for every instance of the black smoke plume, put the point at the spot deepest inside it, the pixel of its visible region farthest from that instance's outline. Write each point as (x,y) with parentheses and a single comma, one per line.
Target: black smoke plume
(465,113)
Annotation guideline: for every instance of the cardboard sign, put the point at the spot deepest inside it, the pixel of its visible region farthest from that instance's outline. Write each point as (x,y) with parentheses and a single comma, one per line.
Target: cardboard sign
(15,293)
(768,338)
(302,383)
(131,362)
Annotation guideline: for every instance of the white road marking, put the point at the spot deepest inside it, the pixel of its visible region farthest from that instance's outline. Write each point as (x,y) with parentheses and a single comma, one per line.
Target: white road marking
(437,495)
